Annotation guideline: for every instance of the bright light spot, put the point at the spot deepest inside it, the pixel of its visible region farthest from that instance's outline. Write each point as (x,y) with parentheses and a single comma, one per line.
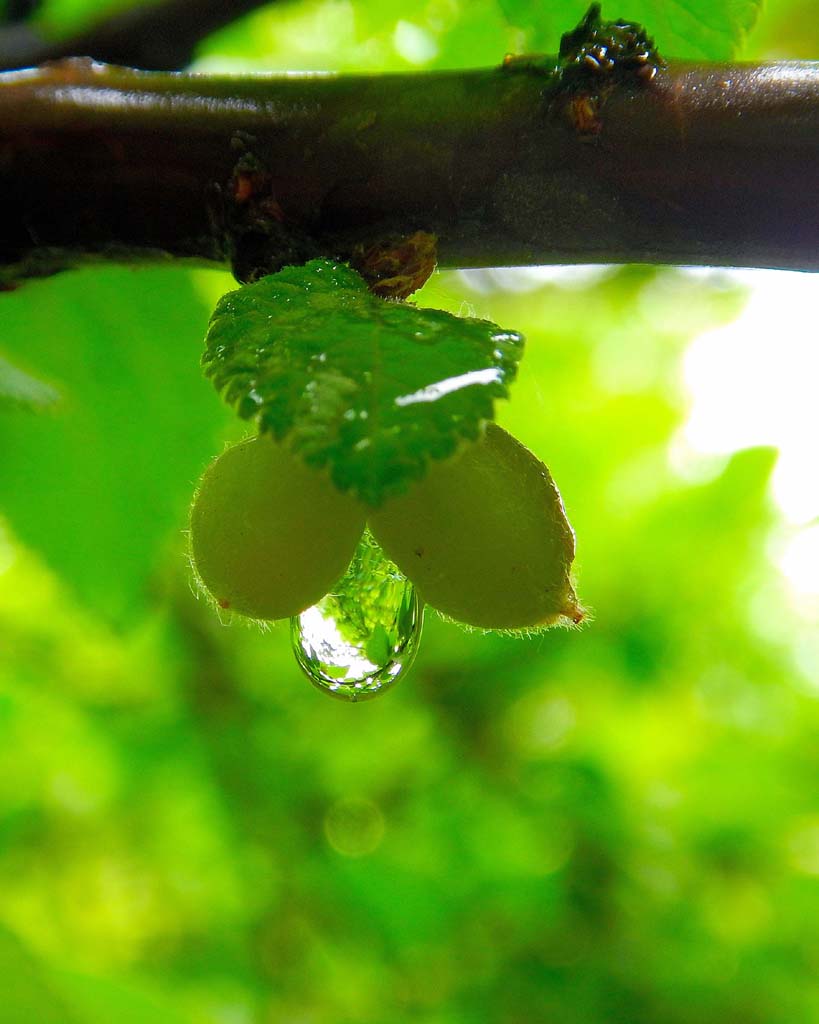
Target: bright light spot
(803,845)
(69,793)
(800,562)
(690,464)
(233,1013)
(413,43)
(540,723)
(754,382)
(806,658)
(445,387)
(529,279)
(6,551)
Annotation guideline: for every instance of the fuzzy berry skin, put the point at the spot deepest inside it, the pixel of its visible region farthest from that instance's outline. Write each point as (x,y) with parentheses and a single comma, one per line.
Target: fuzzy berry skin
(484,538)
(269,534)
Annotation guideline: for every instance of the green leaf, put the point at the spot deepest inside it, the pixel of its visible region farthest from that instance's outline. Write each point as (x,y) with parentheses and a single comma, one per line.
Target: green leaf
(32,991)
(102,485)
(370,387)
(60,18)
(103,1000)
(18,389)
(682,29)
(26,991)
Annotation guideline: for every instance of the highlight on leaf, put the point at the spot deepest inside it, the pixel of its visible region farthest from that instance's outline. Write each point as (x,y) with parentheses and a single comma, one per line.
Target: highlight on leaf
(370,388)
(21,391)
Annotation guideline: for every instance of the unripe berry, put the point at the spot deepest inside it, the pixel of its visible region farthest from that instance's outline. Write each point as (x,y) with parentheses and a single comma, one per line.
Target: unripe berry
(484,537)
(269,534)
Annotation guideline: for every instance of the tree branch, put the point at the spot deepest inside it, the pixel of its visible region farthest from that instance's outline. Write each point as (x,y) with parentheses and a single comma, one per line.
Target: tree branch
(704,164)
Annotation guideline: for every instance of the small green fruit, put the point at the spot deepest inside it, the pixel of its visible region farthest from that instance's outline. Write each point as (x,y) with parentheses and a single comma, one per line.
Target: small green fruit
(269,534)
(484,538)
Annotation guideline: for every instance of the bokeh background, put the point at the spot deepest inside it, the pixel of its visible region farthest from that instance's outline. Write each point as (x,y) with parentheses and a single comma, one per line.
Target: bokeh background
(615,825)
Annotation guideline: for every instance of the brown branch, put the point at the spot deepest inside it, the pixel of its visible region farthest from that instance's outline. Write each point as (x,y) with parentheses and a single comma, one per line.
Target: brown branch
(704,164)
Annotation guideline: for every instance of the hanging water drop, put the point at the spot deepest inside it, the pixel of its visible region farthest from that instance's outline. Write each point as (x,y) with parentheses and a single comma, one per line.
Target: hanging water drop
(361,638)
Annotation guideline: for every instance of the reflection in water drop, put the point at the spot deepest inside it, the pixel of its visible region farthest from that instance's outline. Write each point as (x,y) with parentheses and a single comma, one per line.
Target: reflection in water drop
(358,640)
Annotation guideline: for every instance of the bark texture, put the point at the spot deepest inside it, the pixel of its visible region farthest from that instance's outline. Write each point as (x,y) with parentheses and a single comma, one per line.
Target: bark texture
(703,164)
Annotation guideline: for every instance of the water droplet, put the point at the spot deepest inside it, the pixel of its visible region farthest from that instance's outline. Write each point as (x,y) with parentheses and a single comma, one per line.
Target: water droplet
(360,639)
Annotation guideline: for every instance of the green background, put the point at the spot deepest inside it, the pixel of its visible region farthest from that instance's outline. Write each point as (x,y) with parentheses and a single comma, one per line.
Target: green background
(615,824)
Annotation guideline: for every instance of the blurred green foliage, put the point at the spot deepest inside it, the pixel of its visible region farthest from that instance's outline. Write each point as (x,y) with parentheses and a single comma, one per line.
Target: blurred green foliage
(617,825)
